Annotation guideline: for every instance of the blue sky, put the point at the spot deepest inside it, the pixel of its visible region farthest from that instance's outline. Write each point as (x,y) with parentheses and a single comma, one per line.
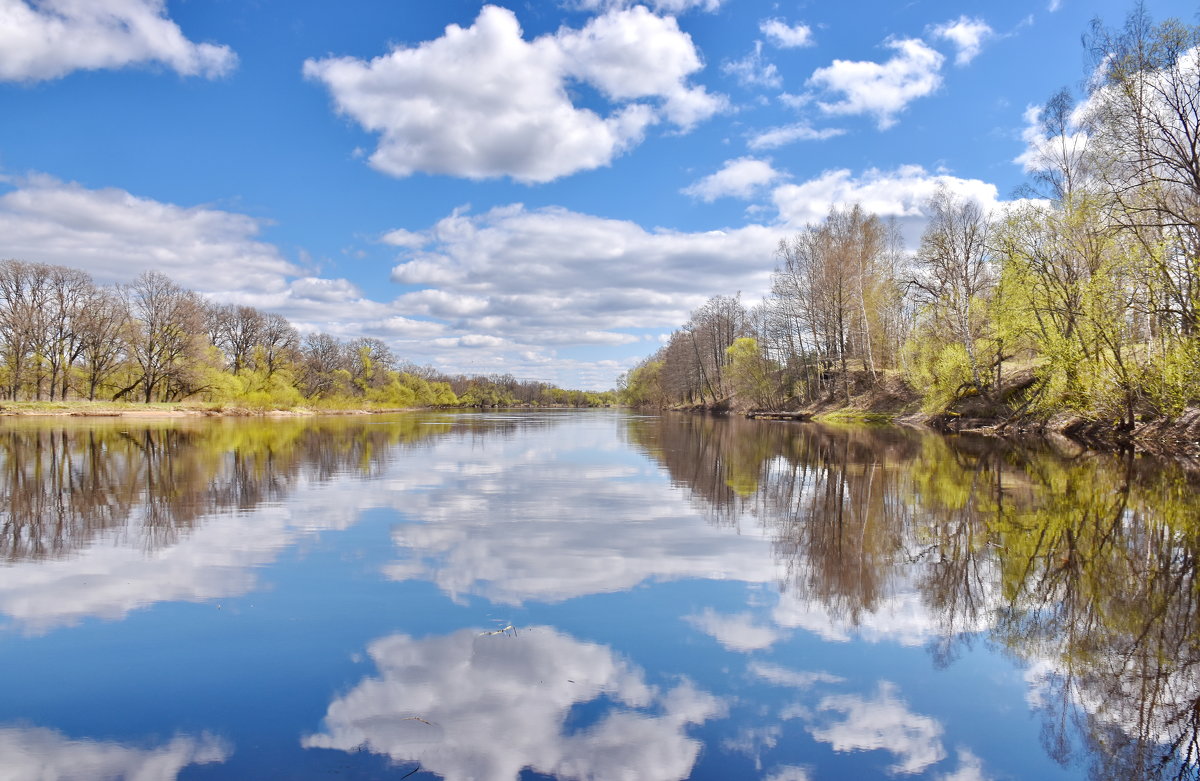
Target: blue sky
(545,188)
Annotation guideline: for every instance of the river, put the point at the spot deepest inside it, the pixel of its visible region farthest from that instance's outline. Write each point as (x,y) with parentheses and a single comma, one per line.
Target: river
(579,595)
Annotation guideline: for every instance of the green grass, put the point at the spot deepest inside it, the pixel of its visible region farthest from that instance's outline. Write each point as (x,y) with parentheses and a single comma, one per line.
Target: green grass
(854,416)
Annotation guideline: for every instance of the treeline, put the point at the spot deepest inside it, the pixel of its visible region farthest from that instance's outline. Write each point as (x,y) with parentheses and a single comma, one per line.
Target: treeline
(1083,296)
(64,337)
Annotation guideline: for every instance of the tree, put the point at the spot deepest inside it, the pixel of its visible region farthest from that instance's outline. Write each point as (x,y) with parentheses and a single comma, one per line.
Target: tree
(24,306)
(955,270)
(165,335)
(321,356)
(1144,119)
(71,293)
(236,330)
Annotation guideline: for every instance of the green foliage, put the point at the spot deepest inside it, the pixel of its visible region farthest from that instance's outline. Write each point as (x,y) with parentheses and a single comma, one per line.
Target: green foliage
(642,385)
(754,377)
(940,369)
(1171,380)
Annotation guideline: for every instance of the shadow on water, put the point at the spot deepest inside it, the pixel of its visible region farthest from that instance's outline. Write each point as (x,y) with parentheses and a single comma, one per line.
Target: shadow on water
(1080,565)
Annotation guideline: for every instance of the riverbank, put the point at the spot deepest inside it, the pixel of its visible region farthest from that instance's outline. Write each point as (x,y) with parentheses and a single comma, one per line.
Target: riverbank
(196,409)
(102,409)
(1003,414)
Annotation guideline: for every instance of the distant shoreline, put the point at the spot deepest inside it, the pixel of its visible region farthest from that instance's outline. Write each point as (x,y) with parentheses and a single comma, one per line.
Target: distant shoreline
(99,409)
(84,409)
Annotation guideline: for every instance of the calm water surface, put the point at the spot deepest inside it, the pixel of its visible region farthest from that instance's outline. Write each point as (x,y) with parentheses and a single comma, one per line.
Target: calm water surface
(589,595)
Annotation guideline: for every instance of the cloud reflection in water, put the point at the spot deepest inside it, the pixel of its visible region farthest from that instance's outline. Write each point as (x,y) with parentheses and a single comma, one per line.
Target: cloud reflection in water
(470,705)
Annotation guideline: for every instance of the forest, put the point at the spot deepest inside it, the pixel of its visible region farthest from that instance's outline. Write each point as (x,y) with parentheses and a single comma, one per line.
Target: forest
(1079,296)
(63,338)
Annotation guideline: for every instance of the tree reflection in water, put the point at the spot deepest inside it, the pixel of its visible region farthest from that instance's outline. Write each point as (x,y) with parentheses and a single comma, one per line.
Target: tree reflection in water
(151,483)
(1081,565)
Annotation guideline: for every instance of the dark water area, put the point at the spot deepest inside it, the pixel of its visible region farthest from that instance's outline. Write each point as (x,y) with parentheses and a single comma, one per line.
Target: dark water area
(590,595)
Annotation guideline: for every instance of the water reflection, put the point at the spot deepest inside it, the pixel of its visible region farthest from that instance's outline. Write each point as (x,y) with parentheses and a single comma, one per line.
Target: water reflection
(546,520)
(474,705)
(1078,567)
(104,518)
(1081,565)
(36,752)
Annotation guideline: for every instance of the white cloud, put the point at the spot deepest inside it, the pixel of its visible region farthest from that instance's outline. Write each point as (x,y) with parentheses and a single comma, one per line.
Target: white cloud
(795,679)
(789,773)
(800,131)
(753,70)
(482,102)
(115,235)
(471,705)
(899,193)
(970,768)
(784,35)
(882,723)
(674,7)
(735,632)
(634,54)
(882,90)
(1043,152)
(404,238)
(37,752)
(47,39)
(740,178)
(966,34)
(551,276)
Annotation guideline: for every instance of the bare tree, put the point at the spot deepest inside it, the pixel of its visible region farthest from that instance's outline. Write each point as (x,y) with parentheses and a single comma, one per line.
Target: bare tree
(238,329)
(103,328)
(167,324)
(71,292)
(322,355)
(278,344)
(954,269)
(24,303)
(1144,119)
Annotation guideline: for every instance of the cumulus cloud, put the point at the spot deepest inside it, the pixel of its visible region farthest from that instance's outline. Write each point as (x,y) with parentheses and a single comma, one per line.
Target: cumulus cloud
(1052,150)
(404,238)
(784,35)
(47,39)
(472,705)
(881,89)
(735,632)
(114,235)
(482,102)
(37,752)
(534,275)
(883,722)
(740,178)
(966,34)
(753,70)
(774,137)
(900,193)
